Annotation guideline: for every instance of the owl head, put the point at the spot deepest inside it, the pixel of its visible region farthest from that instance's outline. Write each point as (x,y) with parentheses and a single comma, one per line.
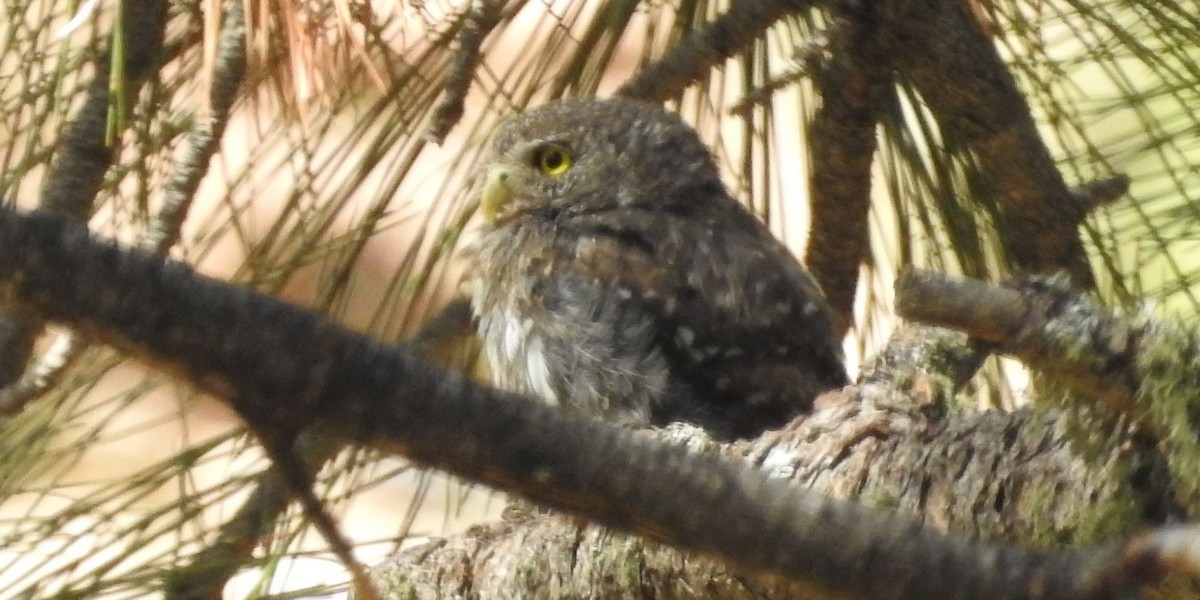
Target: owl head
(583,156)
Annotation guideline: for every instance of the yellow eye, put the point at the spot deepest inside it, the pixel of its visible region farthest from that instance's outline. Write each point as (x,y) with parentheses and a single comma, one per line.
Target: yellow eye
(553,160)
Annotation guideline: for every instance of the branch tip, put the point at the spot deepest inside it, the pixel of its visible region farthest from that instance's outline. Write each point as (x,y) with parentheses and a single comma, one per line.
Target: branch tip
(1100,192)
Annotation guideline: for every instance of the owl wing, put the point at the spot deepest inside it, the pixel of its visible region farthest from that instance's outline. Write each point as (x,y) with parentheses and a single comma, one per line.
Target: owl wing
(741,324)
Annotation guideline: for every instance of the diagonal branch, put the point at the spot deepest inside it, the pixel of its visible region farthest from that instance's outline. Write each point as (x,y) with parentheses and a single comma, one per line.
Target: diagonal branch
(1047,326)
(307,370)
(82,160)
(939,46)
(207,571)
(704,49)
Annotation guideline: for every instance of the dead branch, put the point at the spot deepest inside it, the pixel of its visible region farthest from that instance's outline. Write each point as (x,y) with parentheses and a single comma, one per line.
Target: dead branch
(1141,369)
(1045,325)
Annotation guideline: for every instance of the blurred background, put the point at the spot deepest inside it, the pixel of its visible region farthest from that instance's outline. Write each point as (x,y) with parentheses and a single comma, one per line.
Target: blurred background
(328,191)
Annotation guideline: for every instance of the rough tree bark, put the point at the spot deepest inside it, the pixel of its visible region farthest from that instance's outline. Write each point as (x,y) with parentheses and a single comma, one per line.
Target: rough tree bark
(896,441)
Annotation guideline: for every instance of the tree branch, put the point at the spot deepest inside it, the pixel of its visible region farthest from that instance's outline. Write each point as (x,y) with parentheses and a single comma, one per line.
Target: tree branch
(208,571)
(1141,369)
(229,71)
(1046,325)
(993,475)
(292,369)
(83,158)
(852,87)
(481,17)
(983,475)
(939,46)
(704,49)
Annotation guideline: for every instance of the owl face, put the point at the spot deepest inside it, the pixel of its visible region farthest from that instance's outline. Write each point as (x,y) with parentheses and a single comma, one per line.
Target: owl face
(572,158)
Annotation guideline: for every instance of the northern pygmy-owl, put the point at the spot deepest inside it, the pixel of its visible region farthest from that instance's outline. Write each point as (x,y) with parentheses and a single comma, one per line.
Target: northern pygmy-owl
(615,275)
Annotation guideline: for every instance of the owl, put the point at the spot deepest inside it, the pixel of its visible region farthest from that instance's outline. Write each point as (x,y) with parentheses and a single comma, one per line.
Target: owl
(616,276)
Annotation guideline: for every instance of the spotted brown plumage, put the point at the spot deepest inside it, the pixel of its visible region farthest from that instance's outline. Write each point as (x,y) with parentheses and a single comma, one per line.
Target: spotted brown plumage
(615,275)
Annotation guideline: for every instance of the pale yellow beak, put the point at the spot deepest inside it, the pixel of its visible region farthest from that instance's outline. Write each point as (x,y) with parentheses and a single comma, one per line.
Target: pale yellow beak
(496,193)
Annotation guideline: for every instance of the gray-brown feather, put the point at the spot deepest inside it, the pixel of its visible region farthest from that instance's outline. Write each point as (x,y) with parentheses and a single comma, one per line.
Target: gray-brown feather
(634,287)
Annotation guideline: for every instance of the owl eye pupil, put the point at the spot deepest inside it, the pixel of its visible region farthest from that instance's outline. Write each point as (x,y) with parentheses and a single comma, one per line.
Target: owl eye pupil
(553,160)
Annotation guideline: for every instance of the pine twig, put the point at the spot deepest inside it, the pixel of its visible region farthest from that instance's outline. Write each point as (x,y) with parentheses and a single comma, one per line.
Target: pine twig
(482,16)
(229,71)
(703,50)
(208,570)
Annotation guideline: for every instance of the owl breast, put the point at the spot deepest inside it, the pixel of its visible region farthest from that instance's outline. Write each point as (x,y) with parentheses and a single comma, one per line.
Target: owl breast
(516,352)
(566,338)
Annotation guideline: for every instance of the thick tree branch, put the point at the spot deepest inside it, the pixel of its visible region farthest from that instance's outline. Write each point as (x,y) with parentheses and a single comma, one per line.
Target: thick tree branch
(300,370)
(1140,369)
(939,46)
(1047,326)
(994,475)
(83,158)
